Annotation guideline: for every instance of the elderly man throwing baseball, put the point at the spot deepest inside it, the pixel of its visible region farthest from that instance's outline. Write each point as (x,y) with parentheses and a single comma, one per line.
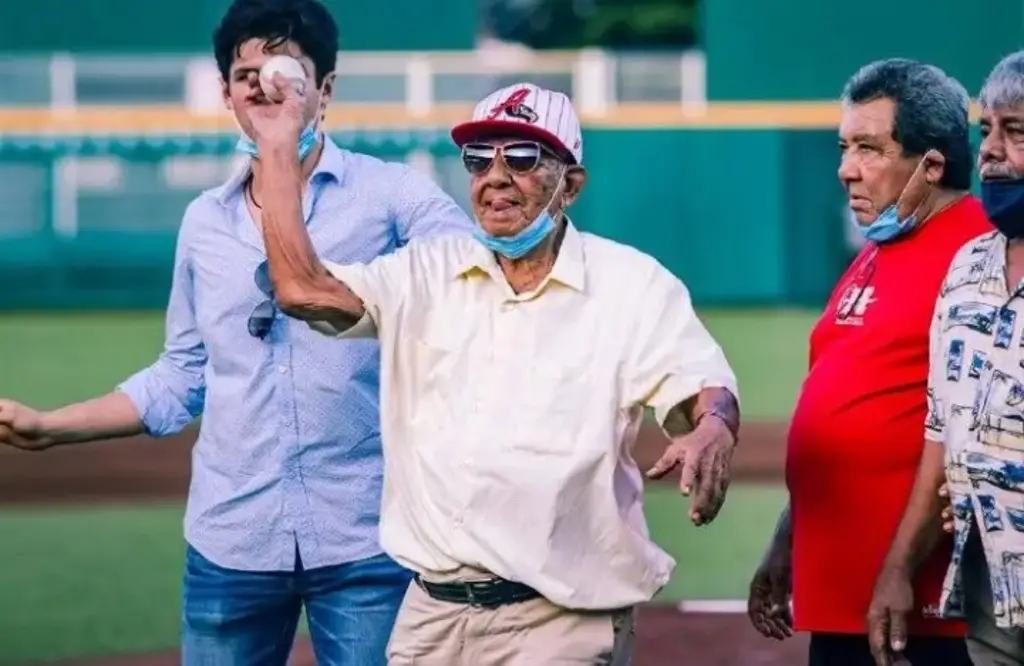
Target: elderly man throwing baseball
(516,364)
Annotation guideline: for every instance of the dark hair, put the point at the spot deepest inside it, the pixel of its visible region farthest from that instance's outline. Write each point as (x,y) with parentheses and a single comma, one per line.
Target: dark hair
(305,22)
(931,112)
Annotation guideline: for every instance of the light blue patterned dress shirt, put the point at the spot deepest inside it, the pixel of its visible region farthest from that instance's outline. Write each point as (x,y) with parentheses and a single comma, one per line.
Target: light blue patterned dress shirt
(289,454)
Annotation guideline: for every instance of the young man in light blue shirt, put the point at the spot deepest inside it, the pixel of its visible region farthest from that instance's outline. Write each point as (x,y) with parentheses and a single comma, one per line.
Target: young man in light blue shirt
(286,475)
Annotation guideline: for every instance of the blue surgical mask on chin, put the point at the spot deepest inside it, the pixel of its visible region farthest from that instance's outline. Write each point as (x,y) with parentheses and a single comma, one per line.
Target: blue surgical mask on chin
(527,239)
(888,225)
(1004,205)
(520,244)
(307,141)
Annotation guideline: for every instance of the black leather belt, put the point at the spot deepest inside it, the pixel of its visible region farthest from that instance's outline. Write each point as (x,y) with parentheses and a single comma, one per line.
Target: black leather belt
(483,593)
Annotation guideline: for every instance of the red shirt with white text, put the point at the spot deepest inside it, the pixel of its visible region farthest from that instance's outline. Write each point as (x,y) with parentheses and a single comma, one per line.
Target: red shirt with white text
(858,429)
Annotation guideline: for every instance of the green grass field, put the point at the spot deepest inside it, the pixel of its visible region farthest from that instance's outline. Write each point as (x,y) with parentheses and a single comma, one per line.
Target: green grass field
(92,581)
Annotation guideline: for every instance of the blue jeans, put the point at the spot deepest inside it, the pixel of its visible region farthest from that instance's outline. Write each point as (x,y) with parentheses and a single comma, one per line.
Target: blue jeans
(245,618)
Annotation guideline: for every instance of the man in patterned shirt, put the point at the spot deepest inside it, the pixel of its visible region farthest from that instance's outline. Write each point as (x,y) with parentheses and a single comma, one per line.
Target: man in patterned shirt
(976,399)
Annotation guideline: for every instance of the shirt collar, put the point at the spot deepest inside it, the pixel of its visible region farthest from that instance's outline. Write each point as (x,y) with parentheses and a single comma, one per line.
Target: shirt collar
(330,166)
(569,269)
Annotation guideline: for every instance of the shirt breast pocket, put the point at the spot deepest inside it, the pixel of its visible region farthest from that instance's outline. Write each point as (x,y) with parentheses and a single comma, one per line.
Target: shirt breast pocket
(999,408)
(437,363)
(549,409)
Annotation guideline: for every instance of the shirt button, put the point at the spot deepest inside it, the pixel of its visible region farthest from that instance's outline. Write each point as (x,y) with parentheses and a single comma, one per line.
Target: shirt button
(508,307)
(281,369)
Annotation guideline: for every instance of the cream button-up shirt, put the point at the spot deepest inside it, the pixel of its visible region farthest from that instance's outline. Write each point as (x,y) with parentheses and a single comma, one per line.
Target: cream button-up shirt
(508,419)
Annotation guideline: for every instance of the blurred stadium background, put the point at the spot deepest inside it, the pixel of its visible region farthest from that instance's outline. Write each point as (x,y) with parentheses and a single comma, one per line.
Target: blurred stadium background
(710,139)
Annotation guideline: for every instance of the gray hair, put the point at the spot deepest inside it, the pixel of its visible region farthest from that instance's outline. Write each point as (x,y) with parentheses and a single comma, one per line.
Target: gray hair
(1004,86)
(931,111)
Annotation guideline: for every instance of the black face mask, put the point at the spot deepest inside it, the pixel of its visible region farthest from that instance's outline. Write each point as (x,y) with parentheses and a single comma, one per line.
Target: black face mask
(1004,205)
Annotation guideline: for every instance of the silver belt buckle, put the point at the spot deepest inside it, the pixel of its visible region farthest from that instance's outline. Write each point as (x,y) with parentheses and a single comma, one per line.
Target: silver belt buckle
(471,595)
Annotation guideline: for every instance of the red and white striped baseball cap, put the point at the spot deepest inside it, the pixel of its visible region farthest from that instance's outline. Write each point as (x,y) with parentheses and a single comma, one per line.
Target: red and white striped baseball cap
(526,110)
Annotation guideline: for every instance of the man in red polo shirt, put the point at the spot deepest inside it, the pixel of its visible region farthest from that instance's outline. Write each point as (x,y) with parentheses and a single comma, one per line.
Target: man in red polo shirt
(855,437)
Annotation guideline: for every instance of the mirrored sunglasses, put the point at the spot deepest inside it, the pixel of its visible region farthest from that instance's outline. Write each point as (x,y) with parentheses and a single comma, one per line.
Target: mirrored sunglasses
(520,157)
(261,321)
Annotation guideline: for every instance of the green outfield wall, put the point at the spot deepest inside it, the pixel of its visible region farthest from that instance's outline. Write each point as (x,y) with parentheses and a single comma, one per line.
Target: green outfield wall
(743,216)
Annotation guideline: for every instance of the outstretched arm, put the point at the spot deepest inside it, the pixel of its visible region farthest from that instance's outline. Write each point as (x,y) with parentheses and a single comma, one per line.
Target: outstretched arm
(159,400)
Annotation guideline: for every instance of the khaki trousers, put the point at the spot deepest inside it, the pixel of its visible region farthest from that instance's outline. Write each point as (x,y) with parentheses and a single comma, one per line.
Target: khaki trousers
(530,633)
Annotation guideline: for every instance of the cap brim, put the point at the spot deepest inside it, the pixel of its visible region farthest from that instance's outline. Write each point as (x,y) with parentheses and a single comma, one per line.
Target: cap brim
(479,129)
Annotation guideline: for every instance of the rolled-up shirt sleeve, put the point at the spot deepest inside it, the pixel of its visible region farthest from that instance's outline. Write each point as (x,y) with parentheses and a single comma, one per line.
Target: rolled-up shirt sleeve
(171,393)
(420,211)
(382,286)
(673,356)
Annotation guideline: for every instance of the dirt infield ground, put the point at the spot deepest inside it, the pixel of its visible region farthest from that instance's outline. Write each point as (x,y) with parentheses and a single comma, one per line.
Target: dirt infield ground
(141,470)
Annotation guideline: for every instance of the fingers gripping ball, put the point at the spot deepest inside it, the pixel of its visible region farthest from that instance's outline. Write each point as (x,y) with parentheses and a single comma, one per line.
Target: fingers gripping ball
(286,66)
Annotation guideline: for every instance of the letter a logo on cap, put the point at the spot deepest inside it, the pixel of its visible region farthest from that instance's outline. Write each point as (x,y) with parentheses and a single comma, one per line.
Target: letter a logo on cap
(513,106)
(524,111)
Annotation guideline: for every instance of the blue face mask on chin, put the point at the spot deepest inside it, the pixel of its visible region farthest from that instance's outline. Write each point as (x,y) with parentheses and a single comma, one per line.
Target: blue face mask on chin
(888,224)
(1004,204)
(522,243)
(307,141)
(527,239)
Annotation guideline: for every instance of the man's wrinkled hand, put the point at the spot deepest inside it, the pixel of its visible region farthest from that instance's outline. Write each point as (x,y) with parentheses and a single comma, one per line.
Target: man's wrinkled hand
(705,456)
(22,427)
(278,124)
(891,603)
(769,596)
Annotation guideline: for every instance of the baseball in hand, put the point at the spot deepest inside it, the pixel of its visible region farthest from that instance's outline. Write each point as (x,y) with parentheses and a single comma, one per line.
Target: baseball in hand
(286,66)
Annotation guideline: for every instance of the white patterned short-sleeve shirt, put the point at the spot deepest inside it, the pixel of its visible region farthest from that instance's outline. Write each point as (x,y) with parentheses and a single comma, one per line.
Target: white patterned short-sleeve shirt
(976,409)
